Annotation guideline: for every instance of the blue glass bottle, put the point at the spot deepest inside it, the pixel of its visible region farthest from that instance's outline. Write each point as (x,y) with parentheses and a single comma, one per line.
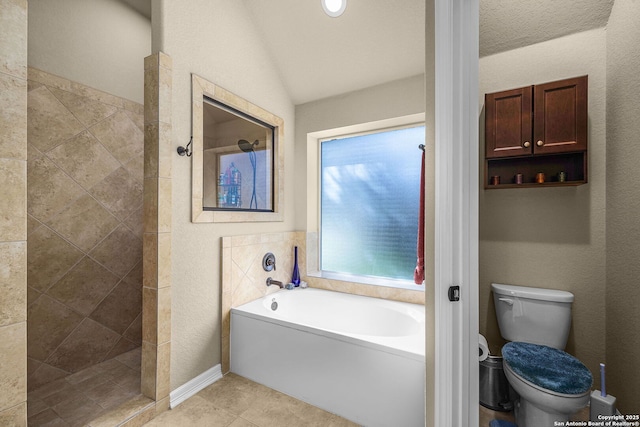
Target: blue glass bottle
(295,276)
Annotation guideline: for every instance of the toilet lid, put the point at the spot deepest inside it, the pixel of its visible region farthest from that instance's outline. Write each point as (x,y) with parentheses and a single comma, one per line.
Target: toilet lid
(547,367)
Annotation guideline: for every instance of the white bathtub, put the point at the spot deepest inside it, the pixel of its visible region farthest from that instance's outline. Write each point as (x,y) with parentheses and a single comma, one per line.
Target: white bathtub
(358,357)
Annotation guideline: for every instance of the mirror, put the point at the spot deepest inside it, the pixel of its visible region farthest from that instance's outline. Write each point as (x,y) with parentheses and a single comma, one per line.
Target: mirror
(237,163)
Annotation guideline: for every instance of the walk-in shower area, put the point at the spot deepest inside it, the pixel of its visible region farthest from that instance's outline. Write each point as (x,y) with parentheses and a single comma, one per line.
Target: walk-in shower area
(84,226)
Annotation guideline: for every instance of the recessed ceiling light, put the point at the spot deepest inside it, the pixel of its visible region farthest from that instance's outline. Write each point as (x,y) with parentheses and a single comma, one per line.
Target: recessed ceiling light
(334,8)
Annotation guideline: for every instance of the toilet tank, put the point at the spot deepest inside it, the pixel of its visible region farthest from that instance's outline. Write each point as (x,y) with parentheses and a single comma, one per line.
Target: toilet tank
(533,315)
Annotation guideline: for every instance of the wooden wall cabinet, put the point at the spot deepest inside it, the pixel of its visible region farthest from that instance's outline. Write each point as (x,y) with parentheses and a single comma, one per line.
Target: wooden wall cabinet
(537,129)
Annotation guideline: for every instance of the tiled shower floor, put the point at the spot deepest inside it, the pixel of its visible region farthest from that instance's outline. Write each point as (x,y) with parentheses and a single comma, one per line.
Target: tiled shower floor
(85,395)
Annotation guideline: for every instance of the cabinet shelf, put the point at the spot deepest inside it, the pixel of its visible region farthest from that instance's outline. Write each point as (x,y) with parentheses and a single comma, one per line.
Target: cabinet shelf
(535,185)
(574,165)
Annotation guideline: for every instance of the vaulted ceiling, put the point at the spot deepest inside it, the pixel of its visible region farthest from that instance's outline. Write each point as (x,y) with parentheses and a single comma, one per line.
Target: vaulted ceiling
(377,41)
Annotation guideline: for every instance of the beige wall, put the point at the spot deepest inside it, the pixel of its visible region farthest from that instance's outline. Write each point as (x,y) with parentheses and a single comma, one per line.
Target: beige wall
(84,205)
(550,237)
(623,205)
(216,40)
(99,43)
(13,212)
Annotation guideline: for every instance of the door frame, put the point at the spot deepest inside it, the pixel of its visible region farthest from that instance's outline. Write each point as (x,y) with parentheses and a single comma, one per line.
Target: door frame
(456,396)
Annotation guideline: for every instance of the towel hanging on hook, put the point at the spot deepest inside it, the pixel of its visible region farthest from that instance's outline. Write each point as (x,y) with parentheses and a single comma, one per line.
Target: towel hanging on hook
(418,274)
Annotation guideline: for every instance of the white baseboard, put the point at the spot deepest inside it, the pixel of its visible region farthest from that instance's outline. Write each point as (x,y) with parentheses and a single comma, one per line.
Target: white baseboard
(190,388)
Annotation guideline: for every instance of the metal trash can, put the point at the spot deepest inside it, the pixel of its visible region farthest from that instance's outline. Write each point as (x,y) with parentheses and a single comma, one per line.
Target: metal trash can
(495,391)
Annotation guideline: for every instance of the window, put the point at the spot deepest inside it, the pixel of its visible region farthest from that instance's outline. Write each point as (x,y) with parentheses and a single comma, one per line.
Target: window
(369,202)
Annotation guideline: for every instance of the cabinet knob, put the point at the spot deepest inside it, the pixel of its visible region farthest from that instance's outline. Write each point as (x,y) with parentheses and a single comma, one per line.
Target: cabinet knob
(526,144)
(539,143)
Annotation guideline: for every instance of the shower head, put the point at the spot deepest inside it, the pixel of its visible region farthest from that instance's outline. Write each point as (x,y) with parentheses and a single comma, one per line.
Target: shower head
(247,146)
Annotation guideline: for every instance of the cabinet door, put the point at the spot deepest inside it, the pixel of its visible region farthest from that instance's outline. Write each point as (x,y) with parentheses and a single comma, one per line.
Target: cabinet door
(508,123)
(560,118)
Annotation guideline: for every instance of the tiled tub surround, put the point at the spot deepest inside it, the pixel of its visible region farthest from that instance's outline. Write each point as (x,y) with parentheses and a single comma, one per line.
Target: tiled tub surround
(244,280)
(84,225)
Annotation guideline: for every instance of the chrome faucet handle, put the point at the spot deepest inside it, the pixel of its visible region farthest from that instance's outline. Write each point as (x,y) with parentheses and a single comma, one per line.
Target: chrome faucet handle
(269,262)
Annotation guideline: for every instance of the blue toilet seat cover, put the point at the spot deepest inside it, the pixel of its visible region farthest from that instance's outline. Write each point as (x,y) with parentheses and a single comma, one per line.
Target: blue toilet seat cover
(548,367)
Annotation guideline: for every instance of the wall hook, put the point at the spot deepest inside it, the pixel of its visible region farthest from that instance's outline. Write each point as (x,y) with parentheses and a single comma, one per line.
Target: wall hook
(185,150)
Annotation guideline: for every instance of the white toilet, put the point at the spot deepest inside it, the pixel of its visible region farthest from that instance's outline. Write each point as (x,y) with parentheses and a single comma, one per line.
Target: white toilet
(551,384)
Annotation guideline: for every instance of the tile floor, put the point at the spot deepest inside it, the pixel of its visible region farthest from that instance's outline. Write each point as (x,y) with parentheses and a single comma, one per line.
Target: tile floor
(79,398)
(235,401)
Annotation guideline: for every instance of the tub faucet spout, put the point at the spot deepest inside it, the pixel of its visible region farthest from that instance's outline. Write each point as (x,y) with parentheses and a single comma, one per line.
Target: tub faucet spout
(270,282)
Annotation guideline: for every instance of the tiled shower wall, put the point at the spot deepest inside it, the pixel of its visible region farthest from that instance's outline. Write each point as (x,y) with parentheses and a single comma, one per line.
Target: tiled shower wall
(13,230)
(84,225)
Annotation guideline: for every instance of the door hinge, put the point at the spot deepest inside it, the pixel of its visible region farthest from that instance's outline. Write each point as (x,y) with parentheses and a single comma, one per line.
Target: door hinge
(454,293)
